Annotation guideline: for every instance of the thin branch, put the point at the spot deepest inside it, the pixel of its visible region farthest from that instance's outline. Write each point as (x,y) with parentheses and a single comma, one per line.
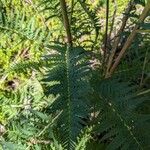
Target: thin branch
(50,124)
(106,36)
(106,30)
(66,21)
(144,92)
(130,38)
(113,18)
(143,69)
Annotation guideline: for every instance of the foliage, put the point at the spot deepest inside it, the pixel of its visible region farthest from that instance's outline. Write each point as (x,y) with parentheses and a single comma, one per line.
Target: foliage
(69,84)
(120,122)
(59,93)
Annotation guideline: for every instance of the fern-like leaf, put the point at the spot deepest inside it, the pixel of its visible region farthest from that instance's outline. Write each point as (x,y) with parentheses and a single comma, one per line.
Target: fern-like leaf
(67,80)
(120,122)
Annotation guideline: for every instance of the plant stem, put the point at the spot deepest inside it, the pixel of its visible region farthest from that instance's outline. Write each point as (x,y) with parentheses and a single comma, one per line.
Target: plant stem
(117,39)
(143,69)
(113,18)
(106,37)
(106,30)
(66,21)
(130,38)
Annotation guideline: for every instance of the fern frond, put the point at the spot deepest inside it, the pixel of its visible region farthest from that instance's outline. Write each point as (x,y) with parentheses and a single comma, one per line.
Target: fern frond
(17,24)
(52,7)
(83,140)
(120,123)
(71,86)
(92,15)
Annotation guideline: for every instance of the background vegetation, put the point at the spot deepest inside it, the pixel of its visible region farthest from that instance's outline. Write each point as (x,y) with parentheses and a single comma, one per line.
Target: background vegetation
(74,74)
